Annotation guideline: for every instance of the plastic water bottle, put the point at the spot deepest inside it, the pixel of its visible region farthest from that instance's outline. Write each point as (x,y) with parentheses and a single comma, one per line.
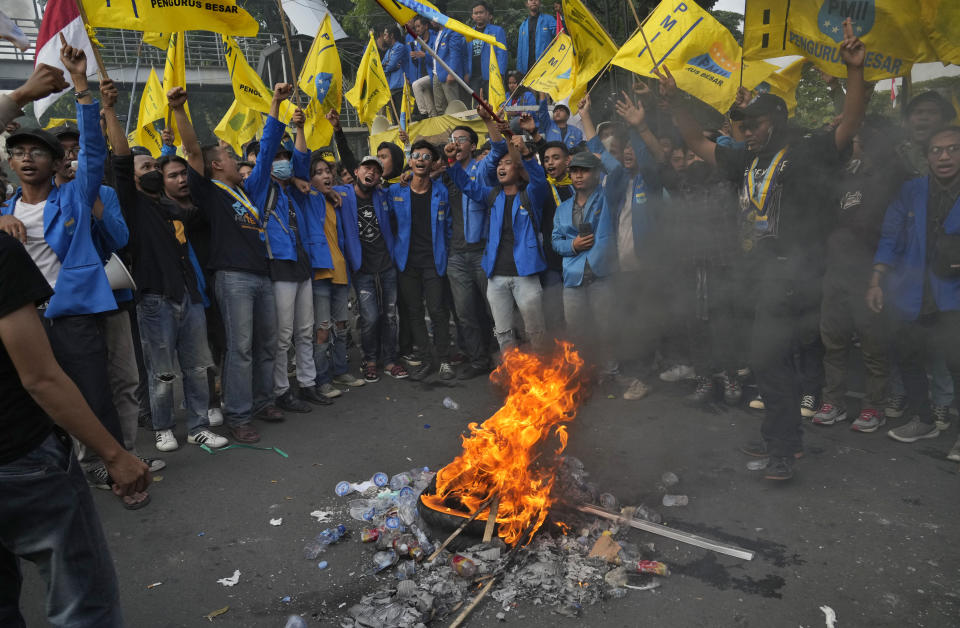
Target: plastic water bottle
(345,488)
(450,404)
(295,621)
(423,538)
(675,500)
(400,480)
(608,501)
(669,479)
(407,508)
(322,540)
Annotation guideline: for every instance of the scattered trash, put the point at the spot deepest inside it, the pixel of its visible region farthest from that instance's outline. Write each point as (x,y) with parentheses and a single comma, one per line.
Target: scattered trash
(669,479)
(322,564)
(450,404)
(221,449)
(319,544)
(345,488)
(463,566)
(758,465)
(652,567)
(276,522)
(220,611)
(322,515)
(675,500)
(608,501)
(295,621)
(285,599)
(157,478)
(155,584)
(830,616)
(232,580)
(426,426)
(605,548)
(201,533)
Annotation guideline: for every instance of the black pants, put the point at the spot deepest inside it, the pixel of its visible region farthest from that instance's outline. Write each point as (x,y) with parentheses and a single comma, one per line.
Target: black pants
(913,341)
(786,322)
(80,347)
(417,285)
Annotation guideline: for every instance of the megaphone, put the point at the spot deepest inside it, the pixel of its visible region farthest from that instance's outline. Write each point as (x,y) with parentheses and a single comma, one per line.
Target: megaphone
(118,275)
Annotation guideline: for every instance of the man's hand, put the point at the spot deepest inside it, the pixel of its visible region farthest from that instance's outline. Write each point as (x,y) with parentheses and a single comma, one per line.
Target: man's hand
(583,107)
(166,136)
(13,226)
(11,126)
(73,59)
(44,81)
(417,54)
(450,79)
(334,119)
(334,198)
(302,186)
(632,113)
(299,118)
(517,142)
(641,89)
(528,124)
(668,85)
(450,150)
(108,93)
(743,98)
(875,299)
(483,113)
(129,474)
(406,177)
(282,91)
(582,243)
(403,137)
(852,50)
(177,98)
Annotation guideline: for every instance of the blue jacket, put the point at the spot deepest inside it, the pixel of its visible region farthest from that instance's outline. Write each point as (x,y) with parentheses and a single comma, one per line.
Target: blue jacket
(82,286)
(474,212)
(603,254)
(395,62)
(551,132)
(441,224)
(313,215)
(527,252)
(452,48)
(524,99)
(500,35)
(418,68)
(546,30)
(110,234)
(281,239)
(903,247)
(351,230)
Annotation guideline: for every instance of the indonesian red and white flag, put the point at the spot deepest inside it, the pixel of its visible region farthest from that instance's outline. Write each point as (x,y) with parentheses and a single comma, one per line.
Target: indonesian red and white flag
(60,17)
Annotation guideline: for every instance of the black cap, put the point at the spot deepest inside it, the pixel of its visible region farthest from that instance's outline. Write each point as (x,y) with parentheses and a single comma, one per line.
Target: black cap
(140,151)
(65,130)
(585,159)
(762,105)
(38,135)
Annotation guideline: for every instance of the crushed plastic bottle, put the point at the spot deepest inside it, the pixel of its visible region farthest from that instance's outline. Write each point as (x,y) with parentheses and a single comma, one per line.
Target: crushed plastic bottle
(450,404)
(328,537)
(651,566)
(295,621)
(463,566)
(344,488)
(675,500)
(362,509)
(669,479)
(407,508)
(423,538)
(406,569)
(400,481)
(384,559)
(370,535)
(608,501)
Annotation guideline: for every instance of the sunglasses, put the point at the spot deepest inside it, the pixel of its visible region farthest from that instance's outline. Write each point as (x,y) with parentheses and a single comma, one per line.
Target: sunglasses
(421,156)
(952,149)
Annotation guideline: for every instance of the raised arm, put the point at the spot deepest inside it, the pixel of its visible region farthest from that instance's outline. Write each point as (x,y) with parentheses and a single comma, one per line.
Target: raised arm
(44,81)
(475,188)
(347,157)
(853,53)
(636,116)
(176,99)
(538,188)
(115,134)
(690,129)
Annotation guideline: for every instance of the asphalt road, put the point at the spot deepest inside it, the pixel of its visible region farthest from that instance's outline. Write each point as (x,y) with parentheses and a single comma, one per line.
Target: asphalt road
(868,527)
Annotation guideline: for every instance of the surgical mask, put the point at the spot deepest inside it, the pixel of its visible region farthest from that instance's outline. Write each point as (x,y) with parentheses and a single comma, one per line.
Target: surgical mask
(282,169)
(152,182)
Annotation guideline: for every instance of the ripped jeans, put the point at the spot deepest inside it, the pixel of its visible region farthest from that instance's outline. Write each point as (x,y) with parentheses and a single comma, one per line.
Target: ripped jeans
(168,330)
(330,314)
(377,298)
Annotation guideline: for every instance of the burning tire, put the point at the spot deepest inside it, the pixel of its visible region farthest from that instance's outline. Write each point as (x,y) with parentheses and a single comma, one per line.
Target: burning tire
(443,523)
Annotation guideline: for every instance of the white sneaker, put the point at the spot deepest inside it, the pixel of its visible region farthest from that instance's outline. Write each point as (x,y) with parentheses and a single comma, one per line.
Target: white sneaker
(348,380)
(636,390)
(166,441)
(677,373)
(208,438)
(329,391)
(215,417)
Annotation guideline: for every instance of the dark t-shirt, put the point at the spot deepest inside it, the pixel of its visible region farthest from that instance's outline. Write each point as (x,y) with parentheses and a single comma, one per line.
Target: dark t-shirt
(458,239)
(532,23)
(505,264)
(421,235)
(236,239)
(23,425)
(476,47)
(375,258)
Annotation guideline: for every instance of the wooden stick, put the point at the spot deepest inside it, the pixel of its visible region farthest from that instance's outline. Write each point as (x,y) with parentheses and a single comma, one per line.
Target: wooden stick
(460,529)
(101,68)
(473,604)
(491,520)
(294,77)
(636,16)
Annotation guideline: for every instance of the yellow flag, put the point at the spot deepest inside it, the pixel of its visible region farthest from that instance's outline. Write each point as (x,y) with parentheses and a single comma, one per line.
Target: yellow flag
(941,22)
(148,137)
(248,87)
(170,16)
(53,123)
(700,52)
(153,101)
(371,92)
(755,72)
(322,77)
(239,125)
(783,83)
(175,75)
(496,94)
(765,29)
(553,72)
(591,43)
(407,104)
(317,131)
(405,10)
(157,40)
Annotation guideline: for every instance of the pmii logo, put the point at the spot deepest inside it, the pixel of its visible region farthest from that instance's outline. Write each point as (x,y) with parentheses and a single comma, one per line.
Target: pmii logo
(833,12)
(715,61)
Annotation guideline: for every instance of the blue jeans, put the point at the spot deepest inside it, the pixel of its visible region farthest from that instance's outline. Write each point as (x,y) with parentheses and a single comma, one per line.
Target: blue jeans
(171,330)
(47,516)
(503,291)
(250,320)
(468,285)
(377,297)
(330,314)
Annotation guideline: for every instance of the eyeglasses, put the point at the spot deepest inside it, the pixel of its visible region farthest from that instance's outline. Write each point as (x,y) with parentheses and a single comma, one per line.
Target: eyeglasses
(952,149)
(459,140)
(36,154)
(421,156)
(71,152)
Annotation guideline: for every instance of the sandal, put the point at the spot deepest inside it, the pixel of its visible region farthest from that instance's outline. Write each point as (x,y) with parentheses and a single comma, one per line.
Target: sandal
(370,373)
(135,505)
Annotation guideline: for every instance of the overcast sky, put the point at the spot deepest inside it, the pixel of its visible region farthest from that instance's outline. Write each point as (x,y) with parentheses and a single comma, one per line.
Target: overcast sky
(730,5)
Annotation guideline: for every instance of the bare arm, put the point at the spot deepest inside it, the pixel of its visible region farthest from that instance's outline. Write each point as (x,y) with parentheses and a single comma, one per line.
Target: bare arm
(589,129)
(690,129)
(493,131)
(298,120)
(853,53)
(118,139)
(636,116)
(177,98)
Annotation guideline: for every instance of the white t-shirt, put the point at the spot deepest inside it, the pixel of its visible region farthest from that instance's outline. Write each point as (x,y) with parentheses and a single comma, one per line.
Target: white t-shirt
(625,245)
(43,256)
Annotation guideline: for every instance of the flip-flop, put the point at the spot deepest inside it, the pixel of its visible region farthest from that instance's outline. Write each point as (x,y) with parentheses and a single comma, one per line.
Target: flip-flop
(135,505)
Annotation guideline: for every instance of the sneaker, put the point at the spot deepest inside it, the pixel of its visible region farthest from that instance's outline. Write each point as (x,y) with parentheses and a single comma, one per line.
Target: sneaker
(271,414)
(99,477)
(412,359)
(289,403)
(330,391)
(458,358)
(779,469)
(348,380)
(208,438)
(311,394)
(758,449)
(732,391)
(397,372)
(215,417)
(808,405)
(245,433)
(165,440)
(954,452)
(446,371)
(757,403)
(941,417)
(469,371)
(868,421)
(418,373)
(744,373)
(828,414)
(636,390)
(704,391)
(155,464)
(914,430)
(370,373)
(677,373)
(895,406)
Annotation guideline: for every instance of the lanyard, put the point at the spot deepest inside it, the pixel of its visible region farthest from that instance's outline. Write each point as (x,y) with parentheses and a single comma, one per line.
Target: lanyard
(240,197)
(758,190)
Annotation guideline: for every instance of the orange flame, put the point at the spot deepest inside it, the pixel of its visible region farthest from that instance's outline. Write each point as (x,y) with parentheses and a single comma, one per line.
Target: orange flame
(504,455)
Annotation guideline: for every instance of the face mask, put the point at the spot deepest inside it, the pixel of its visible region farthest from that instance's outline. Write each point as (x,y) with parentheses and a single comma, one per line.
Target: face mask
(282,169)
(152,182)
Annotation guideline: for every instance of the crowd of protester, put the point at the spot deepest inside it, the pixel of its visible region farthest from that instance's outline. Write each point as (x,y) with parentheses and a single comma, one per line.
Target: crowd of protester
(758,253)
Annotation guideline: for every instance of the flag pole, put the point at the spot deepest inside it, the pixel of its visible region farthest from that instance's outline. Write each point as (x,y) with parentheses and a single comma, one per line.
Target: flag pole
(101,68)
(133,87)
(294,77)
